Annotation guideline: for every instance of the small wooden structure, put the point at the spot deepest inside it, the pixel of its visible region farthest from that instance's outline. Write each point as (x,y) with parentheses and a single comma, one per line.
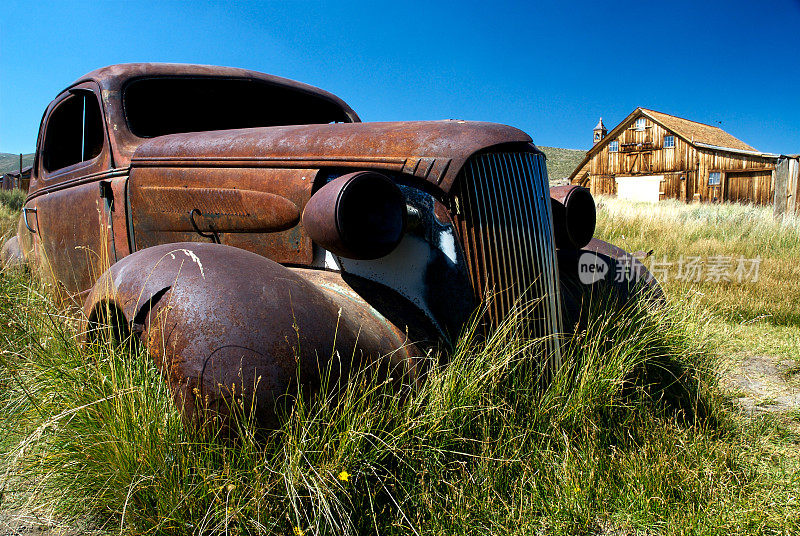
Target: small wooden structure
(652,155)
(787,180)
(17,179)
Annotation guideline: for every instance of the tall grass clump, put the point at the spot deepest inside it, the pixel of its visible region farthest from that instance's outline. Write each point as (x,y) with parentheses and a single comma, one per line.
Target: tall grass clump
(13,199)
(630,434)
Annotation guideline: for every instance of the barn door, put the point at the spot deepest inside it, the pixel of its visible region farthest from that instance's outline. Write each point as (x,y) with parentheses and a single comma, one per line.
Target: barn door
(749,187)
(644,166)
(736,187)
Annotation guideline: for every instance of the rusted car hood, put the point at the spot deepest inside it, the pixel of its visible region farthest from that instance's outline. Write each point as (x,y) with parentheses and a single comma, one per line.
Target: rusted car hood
(431,150)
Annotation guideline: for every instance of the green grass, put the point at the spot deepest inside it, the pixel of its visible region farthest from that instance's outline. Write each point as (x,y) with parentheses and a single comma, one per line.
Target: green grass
(633,435)
(12,200)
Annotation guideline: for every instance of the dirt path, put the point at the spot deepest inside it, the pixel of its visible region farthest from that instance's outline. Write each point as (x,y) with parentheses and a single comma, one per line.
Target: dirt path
(18,524)
(15,524)
(764,383)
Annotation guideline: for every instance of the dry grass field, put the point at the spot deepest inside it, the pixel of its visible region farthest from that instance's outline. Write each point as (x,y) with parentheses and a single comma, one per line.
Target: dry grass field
(758,313)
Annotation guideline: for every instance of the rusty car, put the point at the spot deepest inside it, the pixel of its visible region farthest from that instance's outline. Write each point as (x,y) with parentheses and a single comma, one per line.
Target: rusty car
(250,229)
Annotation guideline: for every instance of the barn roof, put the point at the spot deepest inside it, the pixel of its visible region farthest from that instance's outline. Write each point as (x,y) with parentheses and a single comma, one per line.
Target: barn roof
(25,171)
(697,132)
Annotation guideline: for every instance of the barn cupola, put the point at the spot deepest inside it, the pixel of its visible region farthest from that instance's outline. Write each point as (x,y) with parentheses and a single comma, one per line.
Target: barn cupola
(600,131)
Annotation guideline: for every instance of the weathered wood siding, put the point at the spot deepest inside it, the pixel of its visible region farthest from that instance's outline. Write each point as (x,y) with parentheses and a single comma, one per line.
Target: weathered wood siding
(791,169)
(685,167)
(737,183)
(794,185)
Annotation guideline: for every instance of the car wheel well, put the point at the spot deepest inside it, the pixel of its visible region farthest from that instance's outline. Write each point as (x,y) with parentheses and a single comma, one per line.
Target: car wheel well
(107,324)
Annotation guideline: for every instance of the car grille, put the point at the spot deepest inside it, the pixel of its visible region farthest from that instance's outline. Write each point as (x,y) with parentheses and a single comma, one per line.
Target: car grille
(504,220)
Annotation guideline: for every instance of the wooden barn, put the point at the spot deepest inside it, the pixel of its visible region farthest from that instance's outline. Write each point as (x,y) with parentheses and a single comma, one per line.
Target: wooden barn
(652,155)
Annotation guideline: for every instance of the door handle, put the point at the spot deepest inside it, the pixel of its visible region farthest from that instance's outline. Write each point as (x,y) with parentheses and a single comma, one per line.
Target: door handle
(25,211)
(213,235)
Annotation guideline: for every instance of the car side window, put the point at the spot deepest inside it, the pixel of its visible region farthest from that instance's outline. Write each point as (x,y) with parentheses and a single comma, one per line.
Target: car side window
(74,132)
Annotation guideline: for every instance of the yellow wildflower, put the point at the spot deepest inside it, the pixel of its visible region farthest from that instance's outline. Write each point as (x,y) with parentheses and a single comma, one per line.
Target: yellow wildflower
(344,476)
(297,531)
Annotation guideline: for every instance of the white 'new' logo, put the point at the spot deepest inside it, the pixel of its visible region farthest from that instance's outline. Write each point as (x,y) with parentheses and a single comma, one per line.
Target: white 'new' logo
(591,268)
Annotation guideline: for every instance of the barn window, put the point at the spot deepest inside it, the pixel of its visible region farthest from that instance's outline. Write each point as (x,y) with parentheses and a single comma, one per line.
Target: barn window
(714,178)
(640,123)
(613,146)
(669,141)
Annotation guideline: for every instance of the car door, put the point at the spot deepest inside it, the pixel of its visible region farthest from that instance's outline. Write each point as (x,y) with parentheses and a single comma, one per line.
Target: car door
(71,207)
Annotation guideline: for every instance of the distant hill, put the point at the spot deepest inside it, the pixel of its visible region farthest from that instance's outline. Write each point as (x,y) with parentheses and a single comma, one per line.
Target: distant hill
(561,162)
(10,162)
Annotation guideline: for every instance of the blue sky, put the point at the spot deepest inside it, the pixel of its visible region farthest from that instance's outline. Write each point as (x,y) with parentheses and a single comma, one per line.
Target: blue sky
(550,68)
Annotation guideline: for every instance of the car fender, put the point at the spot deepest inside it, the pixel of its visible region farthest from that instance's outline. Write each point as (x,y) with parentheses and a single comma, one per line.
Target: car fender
(225,324)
